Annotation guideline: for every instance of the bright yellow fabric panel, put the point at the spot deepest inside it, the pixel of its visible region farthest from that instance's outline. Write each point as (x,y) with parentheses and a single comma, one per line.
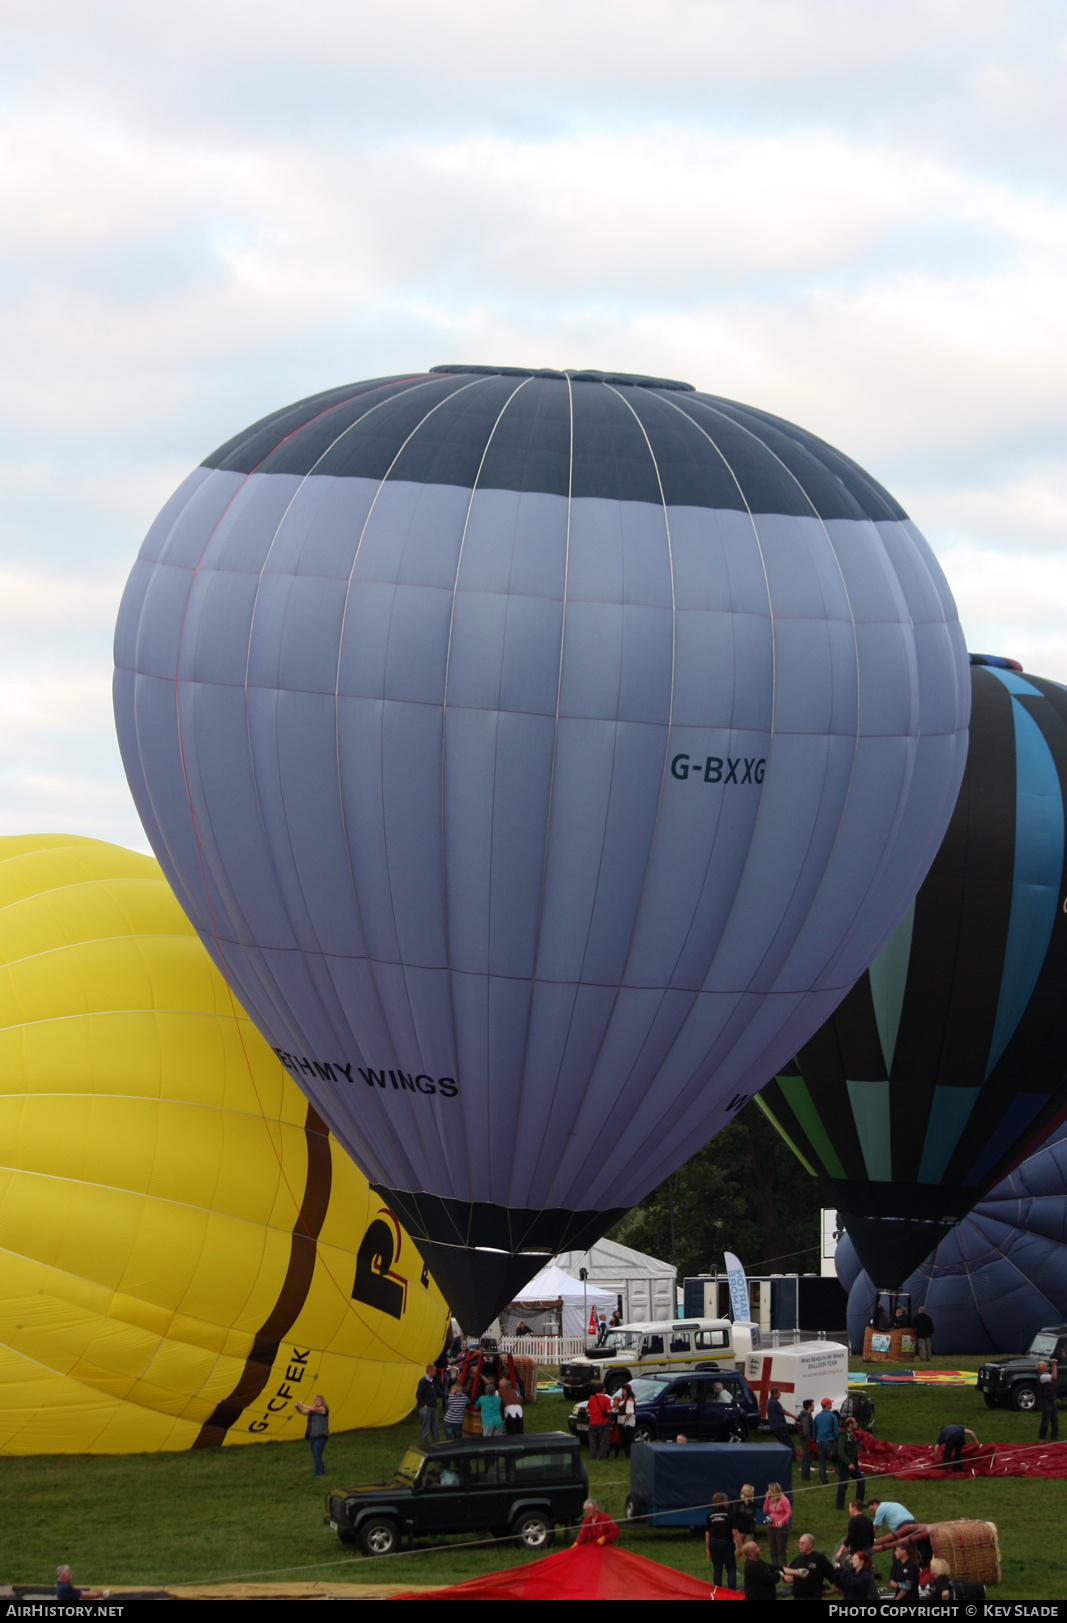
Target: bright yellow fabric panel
(154,1156)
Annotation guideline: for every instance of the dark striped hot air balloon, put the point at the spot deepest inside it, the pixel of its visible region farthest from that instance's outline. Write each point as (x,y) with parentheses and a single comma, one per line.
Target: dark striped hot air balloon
(944,1066)
(542,755)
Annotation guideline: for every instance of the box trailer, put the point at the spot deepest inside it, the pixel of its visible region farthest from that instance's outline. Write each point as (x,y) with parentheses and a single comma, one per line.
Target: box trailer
(812,1369)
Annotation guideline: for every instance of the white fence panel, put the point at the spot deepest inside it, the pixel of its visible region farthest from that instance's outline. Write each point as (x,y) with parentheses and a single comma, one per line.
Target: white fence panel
(546,1349)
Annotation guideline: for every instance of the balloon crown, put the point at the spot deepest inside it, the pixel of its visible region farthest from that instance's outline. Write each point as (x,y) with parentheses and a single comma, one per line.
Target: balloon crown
(634,380)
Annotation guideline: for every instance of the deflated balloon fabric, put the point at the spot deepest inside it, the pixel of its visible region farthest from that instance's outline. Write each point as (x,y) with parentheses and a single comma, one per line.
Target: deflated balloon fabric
(543,755)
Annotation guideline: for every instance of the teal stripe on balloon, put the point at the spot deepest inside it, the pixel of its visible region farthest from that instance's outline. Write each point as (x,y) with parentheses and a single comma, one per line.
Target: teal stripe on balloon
(888,974)
(949,1115)
(1038,870)
(870,1110)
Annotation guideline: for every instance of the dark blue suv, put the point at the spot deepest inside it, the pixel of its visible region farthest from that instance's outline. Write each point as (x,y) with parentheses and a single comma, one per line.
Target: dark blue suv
(716,1406)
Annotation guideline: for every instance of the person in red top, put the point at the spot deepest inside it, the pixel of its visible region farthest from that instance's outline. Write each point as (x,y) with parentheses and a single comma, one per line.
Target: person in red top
(597,1526)
(599,1424)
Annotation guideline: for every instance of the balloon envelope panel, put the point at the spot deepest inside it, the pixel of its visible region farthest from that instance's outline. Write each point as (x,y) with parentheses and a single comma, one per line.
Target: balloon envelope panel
(180,1239)
(1000,1275)
(945,1065)
(543,755)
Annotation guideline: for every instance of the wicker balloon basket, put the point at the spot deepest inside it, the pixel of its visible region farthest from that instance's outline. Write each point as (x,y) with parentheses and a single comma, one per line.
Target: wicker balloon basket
(971,1549)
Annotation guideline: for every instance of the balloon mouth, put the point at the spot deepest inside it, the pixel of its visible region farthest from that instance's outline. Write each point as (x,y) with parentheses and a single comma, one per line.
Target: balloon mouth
(584,374)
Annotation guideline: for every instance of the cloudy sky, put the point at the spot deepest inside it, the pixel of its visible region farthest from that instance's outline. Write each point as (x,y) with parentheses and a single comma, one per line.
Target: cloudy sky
(851,214)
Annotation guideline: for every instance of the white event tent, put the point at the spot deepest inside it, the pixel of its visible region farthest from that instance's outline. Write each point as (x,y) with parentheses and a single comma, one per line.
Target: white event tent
(552,1291)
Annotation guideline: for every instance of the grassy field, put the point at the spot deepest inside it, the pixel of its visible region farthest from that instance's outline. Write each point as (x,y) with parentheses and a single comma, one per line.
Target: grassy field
(256,1512)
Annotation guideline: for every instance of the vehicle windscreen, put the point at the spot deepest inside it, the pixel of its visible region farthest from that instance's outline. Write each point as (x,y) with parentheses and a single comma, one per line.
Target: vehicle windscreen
(646,1387)
(623,1339)
(409,1466)
(1043,1346)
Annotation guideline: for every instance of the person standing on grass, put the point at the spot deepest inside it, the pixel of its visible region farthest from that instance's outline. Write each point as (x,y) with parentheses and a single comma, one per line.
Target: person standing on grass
(760,1577)
(317,1431)
(855,1577)
(904,1575)
(426,1406)
(809,1571)
(826,1428)
(860,1533)
(806,1429)
(625,1411)
(848,1463)
(511,1404)
(719,1543)
(455,1408)
(777,1513)
(950,1439)
(777,1421)
(743,1515)
(924,1334)
(1046,1393)
(488,1406)
(599,1409)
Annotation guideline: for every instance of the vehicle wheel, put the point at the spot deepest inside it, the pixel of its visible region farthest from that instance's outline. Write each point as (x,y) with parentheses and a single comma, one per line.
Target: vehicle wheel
(635,1508)
(990,1400)
(379,1537)
(737,1432)
(1023,1396)
(644,1432)
(533,1530)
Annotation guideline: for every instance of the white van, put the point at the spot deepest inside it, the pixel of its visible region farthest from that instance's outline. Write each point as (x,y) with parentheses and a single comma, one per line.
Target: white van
(638,1349)
(811,1369)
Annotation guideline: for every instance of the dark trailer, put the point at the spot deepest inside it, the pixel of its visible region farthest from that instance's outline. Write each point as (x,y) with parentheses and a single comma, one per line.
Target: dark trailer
(671,1484)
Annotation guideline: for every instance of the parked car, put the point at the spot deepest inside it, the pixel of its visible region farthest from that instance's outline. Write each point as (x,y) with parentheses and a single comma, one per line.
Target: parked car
(638,1349)
(1012,1382)
(518,1487)
(716,1406)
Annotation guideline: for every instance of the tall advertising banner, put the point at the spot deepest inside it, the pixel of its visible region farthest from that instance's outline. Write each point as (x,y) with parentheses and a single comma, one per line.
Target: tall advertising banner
(739,1307)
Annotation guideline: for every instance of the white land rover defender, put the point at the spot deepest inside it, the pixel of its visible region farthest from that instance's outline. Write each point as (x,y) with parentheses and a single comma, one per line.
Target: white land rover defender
(638,1349)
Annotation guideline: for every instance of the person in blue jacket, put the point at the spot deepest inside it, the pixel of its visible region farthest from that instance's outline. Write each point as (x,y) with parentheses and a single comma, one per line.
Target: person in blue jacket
(827,1427)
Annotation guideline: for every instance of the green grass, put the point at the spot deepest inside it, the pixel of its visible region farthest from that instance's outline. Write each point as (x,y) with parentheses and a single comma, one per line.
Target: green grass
(159,1519)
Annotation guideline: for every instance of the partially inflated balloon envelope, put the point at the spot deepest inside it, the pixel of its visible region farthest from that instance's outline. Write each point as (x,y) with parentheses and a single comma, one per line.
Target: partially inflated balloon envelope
(947,1062)
(999,1277)
(184,1251)
(543,755)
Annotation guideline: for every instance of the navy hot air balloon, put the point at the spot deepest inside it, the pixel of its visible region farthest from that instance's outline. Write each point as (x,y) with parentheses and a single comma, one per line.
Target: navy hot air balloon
(999,1277)
(946,1063)
(542,755)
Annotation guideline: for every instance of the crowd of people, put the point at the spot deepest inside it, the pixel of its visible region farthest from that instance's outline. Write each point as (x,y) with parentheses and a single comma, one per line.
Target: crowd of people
(881,1524)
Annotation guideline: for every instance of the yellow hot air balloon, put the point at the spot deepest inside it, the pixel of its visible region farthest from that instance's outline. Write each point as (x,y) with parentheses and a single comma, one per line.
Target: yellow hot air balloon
(184,1250)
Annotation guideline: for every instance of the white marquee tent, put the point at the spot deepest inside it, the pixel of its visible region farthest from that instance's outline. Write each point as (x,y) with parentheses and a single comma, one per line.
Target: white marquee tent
(552,1287)
(644,1286)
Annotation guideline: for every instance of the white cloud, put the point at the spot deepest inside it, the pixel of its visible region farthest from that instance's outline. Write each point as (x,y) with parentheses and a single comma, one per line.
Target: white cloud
(845,213)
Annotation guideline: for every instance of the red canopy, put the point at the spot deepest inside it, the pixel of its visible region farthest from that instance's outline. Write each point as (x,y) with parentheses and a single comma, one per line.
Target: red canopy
(584,1572)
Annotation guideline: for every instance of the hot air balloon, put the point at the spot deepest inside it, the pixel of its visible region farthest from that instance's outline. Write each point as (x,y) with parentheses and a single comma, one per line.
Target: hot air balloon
(999,1276)
(946,1063)
(184,1250)
(541,755)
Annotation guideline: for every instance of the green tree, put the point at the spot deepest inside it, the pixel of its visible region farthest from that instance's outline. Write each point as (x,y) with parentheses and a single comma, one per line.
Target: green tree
(744,1192)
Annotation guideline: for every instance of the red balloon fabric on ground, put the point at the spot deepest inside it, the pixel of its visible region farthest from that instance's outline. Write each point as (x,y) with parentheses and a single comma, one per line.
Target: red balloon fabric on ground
(584,1572)
(910,1462)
